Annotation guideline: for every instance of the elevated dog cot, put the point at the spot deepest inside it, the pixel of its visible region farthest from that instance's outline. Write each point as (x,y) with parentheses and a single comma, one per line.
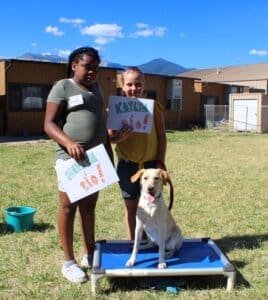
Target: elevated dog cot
(196,257)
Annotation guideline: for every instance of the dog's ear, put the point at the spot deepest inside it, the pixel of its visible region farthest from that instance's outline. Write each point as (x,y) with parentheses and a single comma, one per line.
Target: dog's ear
(137,175)
(165,176)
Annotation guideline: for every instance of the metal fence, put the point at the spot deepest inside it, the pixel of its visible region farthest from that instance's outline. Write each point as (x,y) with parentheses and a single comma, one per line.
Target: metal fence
(217,116)
(243,118)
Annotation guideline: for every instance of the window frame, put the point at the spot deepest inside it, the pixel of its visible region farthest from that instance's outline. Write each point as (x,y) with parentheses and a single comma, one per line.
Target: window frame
(17,93)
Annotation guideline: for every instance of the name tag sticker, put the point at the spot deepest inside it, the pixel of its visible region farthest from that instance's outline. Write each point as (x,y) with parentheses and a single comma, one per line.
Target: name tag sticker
(75,101)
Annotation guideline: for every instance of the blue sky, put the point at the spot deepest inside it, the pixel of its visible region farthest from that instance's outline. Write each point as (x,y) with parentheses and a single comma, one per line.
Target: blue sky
(193,34)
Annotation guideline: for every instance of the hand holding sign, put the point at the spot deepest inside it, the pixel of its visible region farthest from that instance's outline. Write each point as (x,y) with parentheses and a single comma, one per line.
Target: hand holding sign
(134,112)
(89,176)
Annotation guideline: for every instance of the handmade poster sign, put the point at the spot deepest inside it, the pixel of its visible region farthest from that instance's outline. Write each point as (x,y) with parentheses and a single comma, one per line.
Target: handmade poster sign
(88,176)
(137,113)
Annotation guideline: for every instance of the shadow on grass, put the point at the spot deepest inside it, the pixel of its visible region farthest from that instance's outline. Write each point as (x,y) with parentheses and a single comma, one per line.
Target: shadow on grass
(251,242)
(41,227)
(176,283)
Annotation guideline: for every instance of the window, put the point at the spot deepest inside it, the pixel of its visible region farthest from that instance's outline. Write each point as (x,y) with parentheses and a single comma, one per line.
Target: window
(174,104)
(212,100)
(27,97)
(174,94)
(29,103)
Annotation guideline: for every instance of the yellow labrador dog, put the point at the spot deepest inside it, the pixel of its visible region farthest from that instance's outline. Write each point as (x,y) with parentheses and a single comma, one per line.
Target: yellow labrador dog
(154,217)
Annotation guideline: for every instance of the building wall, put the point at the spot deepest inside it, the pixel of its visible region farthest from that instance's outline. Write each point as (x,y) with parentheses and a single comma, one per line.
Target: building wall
(32,72)
(174,119)
(214,89)
(1,115)
(107,80)
(2,79)
(31,122)
(191,105)
(262,109)
(255,84)
(21,123)
(25,123)
(158,84)
(2,96)
(264,113)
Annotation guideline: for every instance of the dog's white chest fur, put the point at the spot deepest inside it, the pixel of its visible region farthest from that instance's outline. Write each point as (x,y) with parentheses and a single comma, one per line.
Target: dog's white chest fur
(151,216)
(154,218)
(157,221)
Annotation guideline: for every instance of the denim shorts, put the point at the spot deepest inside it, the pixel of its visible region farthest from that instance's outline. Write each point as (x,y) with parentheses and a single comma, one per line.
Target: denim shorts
(125,169)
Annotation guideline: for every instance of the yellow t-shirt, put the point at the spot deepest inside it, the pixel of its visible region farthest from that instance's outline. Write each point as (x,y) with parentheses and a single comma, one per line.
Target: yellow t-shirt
(140,147)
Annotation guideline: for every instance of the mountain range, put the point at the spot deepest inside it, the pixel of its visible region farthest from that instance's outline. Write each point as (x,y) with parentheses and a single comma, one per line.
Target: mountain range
(157,66)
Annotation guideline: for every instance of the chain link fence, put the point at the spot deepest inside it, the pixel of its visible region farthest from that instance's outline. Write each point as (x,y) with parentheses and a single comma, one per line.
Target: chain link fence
(244,118)
(217,117)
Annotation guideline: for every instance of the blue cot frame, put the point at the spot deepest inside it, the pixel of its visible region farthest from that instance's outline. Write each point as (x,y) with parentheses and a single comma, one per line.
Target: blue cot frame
(197,256)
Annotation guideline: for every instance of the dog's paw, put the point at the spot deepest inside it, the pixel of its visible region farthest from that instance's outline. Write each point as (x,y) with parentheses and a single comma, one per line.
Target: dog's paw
(162,265)
(129,263)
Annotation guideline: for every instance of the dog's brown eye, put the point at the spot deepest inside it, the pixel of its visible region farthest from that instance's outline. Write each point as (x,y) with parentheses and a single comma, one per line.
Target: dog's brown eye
(156,178)
(145,178)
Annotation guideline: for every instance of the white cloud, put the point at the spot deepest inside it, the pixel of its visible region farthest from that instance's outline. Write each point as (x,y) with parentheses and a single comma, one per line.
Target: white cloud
(76,21)
(258,52)
(64,53)
(101,40)
(104,33)
(104,63)
(147,30)
(160,31)
(34,44)
(182,34)
(144,33)
(54,30)
(141,25)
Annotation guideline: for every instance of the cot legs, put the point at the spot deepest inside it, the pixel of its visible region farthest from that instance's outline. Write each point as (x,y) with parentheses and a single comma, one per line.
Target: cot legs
(94,282)
(231,280)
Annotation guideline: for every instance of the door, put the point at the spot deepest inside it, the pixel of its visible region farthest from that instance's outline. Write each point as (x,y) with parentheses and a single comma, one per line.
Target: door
(245,115)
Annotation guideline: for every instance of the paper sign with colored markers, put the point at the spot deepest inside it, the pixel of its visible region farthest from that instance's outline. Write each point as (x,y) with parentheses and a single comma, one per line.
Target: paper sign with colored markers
(136,112)
(88,176)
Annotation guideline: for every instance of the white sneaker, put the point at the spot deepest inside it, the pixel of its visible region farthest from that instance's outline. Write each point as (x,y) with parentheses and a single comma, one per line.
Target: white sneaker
(87,261)
(73,273)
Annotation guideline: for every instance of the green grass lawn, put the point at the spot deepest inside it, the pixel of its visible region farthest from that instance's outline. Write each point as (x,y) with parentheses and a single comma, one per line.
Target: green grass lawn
(221,191)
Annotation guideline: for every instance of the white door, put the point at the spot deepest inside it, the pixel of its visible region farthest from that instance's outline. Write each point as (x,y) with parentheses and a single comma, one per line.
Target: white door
(245,115)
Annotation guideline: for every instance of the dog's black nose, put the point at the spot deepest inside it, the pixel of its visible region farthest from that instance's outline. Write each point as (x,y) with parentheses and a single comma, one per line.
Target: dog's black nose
(150,189)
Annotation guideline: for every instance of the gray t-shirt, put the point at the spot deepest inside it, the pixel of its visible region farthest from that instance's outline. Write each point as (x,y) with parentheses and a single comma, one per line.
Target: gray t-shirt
(85,121)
